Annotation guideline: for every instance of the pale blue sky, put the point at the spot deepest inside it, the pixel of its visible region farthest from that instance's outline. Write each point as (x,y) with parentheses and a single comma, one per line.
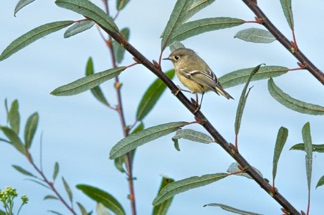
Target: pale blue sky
(79,132)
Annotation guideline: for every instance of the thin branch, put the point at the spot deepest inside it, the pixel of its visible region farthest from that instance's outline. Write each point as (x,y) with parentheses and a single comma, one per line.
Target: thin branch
(205,123)
(319,75)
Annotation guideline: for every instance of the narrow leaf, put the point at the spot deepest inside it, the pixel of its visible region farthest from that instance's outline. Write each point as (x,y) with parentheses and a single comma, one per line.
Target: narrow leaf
(151,96)
(101,209)
(14,139)
(255,35)
(22,171)
(186,184)
(30,129)
(234,168)
(86,83)
(231,209)
(196,6)
(78,27)
(39,183)
(91,11)
(301,146)
(96,91)
(82,209)
(196,27)
(309,153)
(119,50)
(178,16)
(68,190)
(54,212)
(162,209)
(103,197)
(121,4)
(192,135)
(176,45)
(241,76)
(292,103)
(56,170)
(50,197)
(286,7)
(21,4)
(134,140)
(280,142)
(320,182)
(33,35)
(14,117)
(243,98)
(4,140)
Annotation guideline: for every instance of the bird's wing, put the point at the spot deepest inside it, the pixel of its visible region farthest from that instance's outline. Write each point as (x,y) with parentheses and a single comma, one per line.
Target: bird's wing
(207,79)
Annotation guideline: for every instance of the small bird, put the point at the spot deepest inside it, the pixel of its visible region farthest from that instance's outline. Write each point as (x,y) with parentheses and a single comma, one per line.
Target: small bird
(194,73)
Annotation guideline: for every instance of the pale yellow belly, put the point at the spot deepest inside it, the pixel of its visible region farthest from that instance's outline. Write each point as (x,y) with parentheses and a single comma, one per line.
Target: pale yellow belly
(191,85)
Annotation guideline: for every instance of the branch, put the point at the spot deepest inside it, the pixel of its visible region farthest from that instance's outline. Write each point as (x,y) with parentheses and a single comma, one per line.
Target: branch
(318,74)
(205,123)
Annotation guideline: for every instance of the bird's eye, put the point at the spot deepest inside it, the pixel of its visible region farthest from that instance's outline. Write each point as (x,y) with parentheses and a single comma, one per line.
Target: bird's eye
(176,57)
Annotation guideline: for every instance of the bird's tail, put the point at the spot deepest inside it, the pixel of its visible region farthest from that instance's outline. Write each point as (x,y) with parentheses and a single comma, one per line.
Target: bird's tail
(219,89)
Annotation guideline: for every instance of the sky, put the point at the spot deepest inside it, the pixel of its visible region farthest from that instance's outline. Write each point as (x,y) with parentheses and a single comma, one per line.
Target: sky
(78,131)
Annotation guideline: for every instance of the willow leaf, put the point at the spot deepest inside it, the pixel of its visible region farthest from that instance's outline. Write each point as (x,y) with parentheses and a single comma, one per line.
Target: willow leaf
(196,27)
(134,140)
(14,139)
(21,4)
(82,209)
(196,6)
(78,28)
(87,83)
(292,103)
(119,50)
(151,96)
(31,36)
(309,153)
(68,189)
(301,146)
(121,4)
(286,7)
(162,209)
(241,76)
(320,182)
(103,197)
(23,171)
(91,11)
(186,184)
(255,35)
(280,142)
(30,129)
(14,116)
(192,135)
(231,209)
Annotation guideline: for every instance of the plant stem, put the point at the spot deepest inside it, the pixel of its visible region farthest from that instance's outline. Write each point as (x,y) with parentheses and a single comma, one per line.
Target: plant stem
(319,75)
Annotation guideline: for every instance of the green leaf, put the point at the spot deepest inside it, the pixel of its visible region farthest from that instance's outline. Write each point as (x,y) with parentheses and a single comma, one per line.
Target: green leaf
(121,4)
(320,182)
(186,184)
(50,197)
(33,35)
(162,209)
(196,27)
(192,135)
(101,209)
(178,16)
(82,209)
(86,83)
(301,146)
(255,35)
(21,4)
(14,139)
(96,91)
(151,96)
(292,103)
(280,142)
(120,161)
(134,140)
(309,153)
(54,212)
(91,11)
(30,129)
(78,27)
(196,6)
(68,190)
(4,140)
(103,197)
(286,7)
(119,50)
(234,168)
(23,171)
(176,45)
(243,98)
(231,209)
(14,117)
(241,76)
(39,183)
(56,170)
(2,212)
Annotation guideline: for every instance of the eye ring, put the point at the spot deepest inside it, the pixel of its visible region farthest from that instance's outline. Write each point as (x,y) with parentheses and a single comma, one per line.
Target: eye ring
(176,57)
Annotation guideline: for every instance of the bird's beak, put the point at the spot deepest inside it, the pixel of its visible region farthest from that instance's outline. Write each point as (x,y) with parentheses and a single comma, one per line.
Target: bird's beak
(167,58)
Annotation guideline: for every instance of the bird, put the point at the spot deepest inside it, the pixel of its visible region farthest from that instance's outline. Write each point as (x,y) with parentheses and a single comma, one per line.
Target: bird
(195,74)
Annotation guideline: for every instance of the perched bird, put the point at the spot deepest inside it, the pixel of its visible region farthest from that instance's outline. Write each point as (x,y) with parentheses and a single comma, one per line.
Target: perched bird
(194,73)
